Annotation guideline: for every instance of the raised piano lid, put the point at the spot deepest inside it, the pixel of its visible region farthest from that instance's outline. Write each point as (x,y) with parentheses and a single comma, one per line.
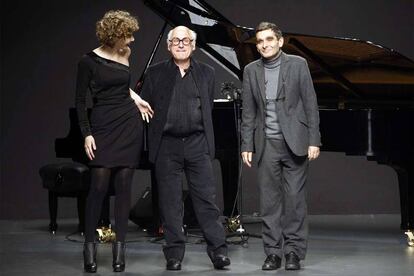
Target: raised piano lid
(347,73)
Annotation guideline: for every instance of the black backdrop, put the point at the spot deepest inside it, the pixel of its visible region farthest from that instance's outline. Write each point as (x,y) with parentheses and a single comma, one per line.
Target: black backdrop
(41,42)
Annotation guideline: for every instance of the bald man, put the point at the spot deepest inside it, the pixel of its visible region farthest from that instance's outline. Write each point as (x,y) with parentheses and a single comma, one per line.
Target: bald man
(181,139)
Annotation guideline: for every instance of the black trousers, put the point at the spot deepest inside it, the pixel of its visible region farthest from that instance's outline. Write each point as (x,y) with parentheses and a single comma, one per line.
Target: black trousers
(282,177)
(189,156)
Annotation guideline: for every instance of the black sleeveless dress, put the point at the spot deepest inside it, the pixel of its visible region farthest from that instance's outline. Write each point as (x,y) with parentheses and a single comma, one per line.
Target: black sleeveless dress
(115,121)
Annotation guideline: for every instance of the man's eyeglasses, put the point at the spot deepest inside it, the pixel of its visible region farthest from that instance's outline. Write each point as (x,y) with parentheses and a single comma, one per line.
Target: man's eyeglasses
(176,41)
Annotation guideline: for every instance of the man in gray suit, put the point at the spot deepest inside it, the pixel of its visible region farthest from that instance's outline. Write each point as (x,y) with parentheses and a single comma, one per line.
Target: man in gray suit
(280,125)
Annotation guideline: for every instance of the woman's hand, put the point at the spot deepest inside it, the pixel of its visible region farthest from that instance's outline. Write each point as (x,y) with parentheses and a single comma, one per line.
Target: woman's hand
(143,106)
(145,109)
(90,146)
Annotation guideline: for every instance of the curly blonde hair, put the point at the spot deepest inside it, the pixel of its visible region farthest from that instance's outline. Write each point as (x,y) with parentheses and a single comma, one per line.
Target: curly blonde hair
(114,26)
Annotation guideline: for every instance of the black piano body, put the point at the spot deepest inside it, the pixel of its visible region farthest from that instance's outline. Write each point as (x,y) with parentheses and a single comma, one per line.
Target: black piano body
(71,146)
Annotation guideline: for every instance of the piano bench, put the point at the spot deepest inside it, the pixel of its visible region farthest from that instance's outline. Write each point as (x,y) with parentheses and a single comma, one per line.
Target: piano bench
(66,180)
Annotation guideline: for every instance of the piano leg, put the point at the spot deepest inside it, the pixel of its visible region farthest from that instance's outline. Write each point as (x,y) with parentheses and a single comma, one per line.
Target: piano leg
(155,228)
(230,174)
(53,205)
(406,185)
(406,182)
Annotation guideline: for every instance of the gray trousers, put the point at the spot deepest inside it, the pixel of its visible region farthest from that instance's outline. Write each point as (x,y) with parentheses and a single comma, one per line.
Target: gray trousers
(282,177)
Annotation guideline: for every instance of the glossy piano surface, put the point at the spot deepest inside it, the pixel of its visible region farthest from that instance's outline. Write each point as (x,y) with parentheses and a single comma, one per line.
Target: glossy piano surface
(348,73)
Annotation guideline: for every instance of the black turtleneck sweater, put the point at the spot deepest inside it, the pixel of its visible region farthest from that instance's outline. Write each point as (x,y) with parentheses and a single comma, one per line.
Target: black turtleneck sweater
(272,70)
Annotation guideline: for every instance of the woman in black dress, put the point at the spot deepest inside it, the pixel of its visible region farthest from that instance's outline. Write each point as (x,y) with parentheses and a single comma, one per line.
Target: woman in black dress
(113,132)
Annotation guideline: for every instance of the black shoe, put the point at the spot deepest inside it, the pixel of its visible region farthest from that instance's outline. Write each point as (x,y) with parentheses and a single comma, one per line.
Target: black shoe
(173,264)
(272,262)
(292,261)
(220,261)
(118,253)
(89,257)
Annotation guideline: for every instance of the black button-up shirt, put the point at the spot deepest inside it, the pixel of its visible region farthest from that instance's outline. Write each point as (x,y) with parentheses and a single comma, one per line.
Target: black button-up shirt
(184,113)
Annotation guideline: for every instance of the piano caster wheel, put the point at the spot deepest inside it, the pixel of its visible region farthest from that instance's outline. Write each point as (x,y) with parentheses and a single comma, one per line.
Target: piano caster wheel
(410,238)
(52,228)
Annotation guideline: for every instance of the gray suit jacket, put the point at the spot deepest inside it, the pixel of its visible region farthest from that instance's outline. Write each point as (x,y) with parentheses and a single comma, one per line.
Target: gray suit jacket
(297,107)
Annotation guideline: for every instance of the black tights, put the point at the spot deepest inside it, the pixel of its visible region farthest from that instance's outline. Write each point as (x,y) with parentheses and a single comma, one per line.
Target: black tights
(100,180)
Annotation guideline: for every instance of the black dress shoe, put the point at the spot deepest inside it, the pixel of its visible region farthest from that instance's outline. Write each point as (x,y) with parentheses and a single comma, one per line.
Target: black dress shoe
(272,262)
(173,264)
(220,261)
(292,261)
(118,253)
(89,257)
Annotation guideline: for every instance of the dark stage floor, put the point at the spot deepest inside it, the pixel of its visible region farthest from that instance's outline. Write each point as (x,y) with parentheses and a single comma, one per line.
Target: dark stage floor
(338,245)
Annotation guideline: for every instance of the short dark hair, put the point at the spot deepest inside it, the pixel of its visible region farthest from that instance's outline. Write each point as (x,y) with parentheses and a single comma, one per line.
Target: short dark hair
(269,26)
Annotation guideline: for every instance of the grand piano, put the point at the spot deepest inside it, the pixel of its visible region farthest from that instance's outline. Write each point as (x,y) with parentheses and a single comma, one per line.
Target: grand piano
(365,95)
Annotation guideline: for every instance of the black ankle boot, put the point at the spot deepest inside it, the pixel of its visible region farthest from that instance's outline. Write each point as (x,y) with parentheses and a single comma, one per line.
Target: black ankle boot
(89,257)
(118,261)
